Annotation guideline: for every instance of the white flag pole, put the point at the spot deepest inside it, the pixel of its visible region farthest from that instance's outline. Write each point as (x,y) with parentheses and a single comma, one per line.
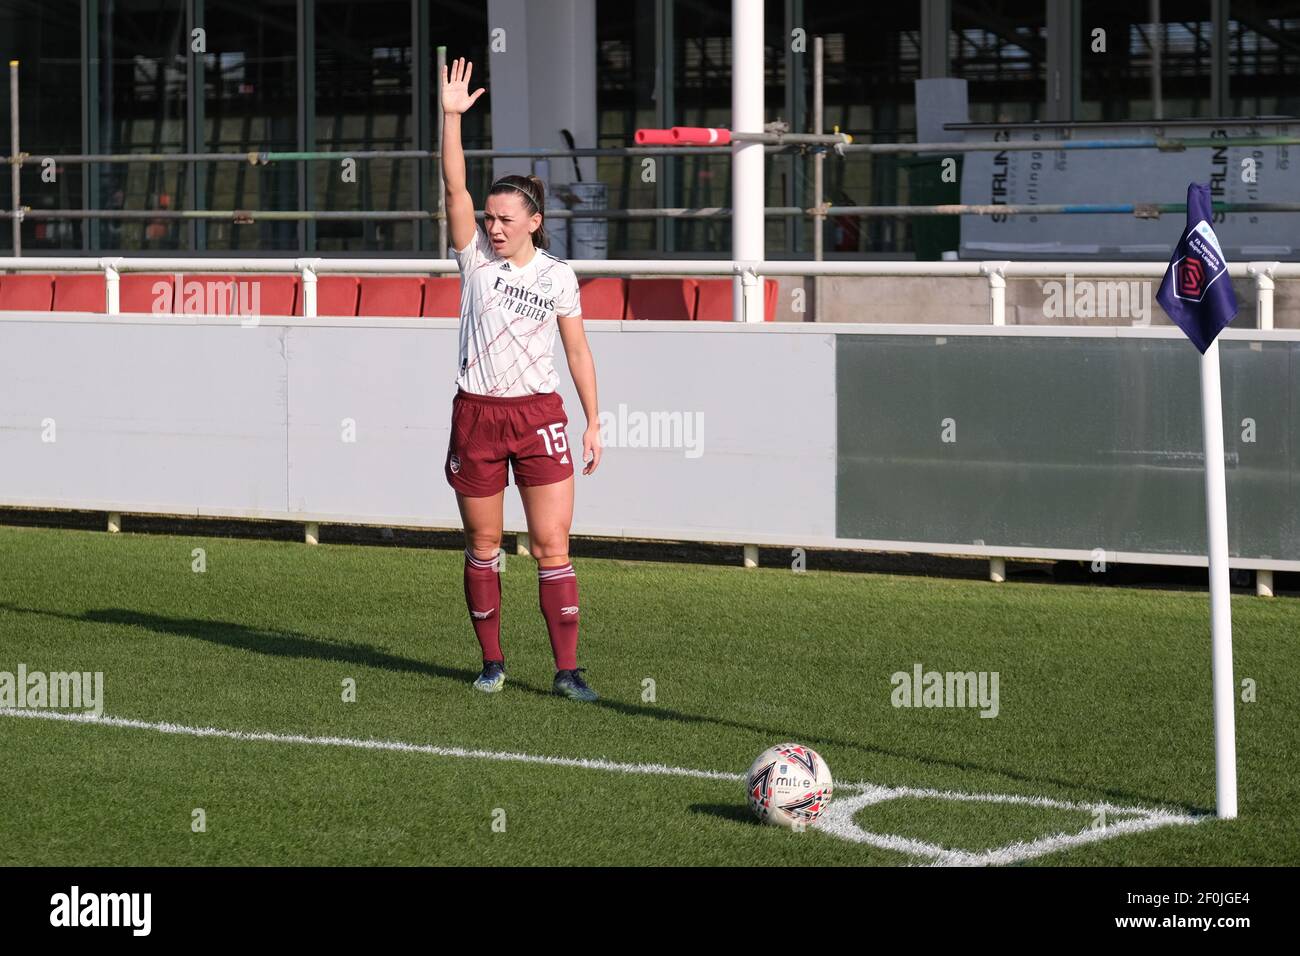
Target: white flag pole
(1216,527)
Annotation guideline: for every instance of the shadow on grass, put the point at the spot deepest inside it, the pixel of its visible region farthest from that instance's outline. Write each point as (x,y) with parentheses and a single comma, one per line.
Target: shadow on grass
(276,643)
(726,811)
(288,644)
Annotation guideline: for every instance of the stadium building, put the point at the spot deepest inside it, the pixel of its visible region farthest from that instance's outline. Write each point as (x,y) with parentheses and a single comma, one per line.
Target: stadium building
(193,76)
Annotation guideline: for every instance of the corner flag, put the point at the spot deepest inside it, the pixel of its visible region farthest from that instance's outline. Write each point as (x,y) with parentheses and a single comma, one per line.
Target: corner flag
(1196,291)
(1197,294)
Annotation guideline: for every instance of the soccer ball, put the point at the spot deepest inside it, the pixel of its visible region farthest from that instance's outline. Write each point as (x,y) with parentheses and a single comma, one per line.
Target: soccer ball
(789,786)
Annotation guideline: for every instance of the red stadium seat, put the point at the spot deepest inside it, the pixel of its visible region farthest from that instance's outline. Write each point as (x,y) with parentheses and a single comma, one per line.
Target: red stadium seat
(441,299)
(715,300)
(335,295)
(275,294)
(207,294)
(391,295)
(714,304)
(26,293)
(663,299)
(79,293)
(239,295)
(602,298)
(141,292)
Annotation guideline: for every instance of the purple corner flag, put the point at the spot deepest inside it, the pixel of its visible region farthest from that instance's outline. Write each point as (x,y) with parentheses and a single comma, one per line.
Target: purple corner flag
(1197,292)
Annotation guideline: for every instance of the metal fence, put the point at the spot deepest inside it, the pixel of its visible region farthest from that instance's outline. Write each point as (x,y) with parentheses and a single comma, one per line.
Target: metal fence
(747,275)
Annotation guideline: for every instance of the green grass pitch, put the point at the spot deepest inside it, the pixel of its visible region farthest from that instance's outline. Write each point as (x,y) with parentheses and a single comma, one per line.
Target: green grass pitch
(1104,697)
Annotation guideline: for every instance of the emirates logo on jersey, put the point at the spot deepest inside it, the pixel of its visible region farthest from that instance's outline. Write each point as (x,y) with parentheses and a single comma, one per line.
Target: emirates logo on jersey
(522,297)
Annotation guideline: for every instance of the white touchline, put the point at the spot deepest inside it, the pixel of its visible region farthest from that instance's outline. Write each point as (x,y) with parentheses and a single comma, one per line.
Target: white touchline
(837,821)
(393,745)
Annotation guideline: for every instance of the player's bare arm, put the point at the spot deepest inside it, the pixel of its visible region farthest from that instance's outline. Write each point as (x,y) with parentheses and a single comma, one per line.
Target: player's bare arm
(582,368)
(457,99)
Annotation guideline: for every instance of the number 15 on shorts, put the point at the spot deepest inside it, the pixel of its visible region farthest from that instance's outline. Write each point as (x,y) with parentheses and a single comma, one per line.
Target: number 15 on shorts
(556,432)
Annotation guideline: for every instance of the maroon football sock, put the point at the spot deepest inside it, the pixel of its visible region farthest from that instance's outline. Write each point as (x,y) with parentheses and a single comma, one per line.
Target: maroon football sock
(483,598)
(557,590)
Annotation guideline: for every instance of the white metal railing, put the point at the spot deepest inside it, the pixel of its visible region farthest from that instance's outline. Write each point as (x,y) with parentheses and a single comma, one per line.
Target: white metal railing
(747,273)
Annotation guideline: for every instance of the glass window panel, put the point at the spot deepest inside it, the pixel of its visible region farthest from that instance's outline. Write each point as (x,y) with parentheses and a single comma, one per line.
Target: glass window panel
(871,60)
(1116,84)
(143,68)
(45,39)
(1000,48)
(463,29)
(626,65)
(1264,58)
(363,102)
(250,104)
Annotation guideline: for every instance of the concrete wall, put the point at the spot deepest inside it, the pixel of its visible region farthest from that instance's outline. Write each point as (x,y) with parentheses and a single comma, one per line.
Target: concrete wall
(799,435)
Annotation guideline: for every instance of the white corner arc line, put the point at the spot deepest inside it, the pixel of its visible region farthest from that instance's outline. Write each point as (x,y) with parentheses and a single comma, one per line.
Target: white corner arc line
(836,822)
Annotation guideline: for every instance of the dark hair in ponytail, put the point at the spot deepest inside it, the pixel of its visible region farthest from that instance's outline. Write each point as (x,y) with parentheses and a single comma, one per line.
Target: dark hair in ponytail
(533,193)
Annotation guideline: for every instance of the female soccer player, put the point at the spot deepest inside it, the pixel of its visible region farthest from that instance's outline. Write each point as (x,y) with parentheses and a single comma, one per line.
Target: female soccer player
(513,296)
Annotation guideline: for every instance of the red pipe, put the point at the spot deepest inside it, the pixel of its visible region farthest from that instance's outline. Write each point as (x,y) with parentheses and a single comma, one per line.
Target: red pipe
(701,136)
(655,137)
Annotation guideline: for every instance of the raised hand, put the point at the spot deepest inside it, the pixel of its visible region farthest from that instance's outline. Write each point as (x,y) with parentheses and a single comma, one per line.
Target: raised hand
(456,97)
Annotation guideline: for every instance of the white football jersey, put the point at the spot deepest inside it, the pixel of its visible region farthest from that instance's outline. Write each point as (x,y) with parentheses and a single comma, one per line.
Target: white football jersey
(507,319)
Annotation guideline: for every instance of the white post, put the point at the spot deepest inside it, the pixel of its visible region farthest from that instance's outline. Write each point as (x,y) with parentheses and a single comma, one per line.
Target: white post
(112,287)
(1264,286)
(1263,583)
(308,288)
(311,532)
(747,225)
(751,297)
(1216,527)
(997,290)
(751,556)
(998,570)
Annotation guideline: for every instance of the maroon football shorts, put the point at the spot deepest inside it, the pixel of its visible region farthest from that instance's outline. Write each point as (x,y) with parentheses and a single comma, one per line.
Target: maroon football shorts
(487,432)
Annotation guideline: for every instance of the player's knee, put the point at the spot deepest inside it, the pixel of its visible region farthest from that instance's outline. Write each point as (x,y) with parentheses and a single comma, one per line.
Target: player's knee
(550,548)
(485,549)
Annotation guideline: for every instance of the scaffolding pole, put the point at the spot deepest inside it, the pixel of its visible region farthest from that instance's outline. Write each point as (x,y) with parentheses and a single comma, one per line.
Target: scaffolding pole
(249,216)
(819,171)
(442,185)
(789,142)
(15,159)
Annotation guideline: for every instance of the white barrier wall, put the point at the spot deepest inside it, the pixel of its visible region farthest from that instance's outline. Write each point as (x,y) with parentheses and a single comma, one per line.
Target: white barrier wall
(1075,442)
(347,420)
